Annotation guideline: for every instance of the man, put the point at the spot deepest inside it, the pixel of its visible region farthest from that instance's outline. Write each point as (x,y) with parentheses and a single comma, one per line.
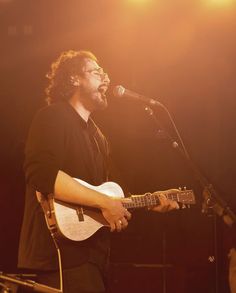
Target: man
(64,143)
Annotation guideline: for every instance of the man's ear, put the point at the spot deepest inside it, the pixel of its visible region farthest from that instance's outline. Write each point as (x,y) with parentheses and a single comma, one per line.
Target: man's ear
(75,80)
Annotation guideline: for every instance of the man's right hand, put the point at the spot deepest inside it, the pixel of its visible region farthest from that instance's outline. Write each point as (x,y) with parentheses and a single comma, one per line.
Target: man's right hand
(115,214)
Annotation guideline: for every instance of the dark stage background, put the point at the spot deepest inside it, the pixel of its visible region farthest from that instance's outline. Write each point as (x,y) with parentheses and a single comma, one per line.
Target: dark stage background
(180,52)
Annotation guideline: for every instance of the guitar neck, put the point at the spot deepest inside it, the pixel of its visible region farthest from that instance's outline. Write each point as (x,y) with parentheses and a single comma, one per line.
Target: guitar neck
(152,199)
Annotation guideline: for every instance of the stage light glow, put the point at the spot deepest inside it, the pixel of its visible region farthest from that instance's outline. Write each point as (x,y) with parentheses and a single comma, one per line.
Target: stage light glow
(140,2)
(220,2)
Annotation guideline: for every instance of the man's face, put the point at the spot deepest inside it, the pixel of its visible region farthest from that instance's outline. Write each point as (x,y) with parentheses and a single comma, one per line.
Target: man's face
(93,84)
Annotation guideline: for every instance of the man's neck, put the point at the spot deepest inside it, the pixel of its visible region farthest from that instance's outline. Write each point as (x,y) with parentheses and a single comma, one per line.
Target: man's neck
(80,108)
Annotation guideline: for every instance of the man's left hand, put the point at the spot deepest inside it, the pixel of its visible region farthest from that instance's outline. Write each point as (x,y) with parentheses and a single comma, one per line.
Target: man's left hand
(165,205)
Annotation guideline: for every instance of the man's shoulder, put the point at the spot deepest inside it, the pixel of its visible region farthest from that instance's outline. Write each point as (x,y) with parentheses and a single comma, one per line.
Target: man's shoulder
(54,111)
(53,114)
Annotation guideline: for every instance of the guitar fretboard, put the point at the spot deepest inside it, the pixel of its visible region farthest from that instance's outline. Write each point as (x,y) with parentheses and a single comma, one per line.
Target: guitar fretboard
(152,199)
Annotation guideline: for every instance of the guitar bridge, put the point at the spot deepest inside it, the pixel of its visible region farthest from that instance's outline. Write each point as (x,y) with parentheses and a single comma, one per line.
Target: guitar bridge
(80,214)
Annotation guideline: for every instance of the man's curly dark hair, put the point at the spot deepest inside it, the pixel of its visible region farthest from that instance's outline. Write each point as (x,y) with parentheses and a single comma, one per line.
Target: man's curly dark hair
(68,64)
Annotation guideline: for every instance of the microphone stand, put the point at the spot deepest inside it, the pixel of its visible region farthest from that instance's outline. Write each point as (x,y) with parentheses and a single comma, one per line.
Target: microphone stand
(211,198)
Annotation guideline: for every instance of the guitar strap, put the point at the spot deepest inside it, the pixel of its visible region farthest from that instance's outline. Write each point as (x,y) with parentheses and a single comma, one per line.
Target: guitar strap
(46,204)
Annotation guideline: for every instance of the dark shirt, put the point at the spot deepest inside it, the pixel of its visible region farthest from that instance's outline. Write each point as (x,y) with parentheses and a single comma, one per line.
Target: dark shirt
(59,139)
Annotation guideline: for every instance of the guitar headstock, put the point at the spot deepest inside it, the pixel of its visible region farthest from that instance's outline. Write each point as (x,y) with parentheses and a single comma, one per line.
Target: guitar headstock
(185,197)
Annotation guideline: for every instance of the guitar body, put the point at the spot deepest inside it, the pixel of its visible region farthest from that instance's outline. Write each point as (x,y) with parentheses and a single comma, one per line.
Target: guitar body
(79,223)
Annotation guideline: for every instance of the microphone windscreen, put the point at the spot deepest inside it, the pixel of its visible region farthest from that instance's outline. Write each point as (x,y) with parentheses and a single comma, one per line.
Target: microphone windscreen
(118,91)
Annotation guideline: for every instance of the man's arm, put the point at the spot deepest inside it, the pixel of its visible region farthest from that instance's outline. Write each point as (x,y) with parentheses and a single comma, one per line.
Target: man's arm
(70,190)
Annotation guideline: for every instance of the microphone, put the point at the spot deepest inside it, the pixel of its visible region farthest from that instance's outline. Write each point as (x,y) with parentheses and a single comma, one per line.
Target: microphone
(120,92)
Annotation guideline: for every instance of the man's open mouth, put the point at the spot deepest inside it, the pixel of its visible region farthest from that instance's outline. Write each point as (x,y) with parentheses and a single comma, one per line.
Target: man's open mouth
(102,90)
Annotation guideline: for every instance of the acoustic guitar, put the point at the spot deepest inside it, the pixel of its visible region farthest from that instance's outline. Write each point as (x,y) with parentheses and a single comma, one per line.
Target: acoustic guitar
(78,223)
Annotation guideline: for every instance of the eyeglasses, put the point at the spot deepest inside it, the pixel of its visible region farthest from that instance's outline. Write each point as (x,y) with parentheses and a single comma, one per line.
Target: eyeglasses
(99,72)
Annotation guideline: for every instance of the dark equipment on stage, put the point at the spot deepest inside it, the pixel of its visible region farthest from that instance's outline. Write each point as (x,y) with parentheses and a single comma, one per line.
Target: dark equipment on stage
(10,284)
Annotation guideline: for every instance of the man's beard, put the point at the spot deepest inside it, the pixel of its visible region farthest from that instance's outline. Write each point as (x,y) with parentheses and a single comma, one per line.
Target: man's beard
(93,101)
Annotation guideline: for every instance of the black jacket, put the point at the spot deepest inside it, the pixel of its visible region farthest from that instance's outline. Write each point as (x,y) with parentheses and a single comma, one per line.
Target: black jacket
(59,139)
